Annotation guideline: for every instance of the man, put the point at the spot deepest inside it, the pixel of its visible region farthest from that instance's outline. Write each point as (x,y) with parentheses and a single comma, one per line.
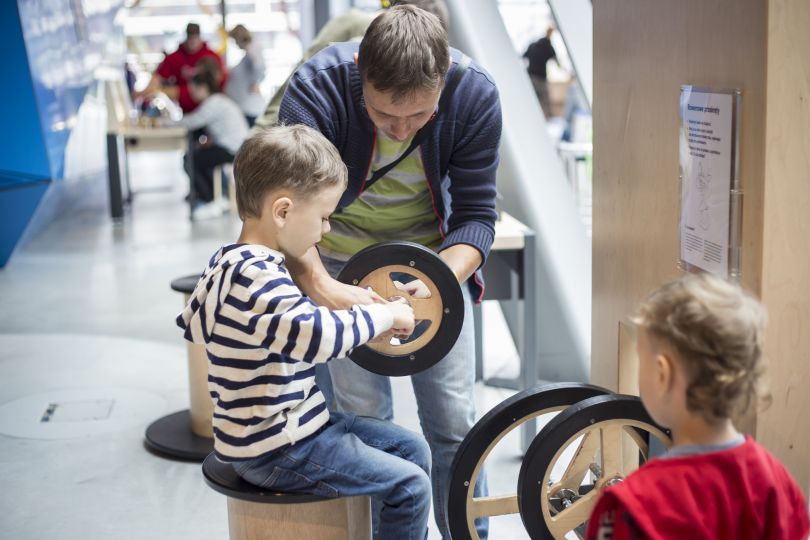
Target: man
(370,101)
(176,70)
(538,54)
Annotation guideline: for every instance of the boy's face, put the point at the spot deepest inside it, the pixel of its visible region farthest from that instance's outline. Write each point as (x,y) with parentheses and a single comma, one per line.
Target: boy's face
(399,120)
(307,220)
(651,384)
(198,92)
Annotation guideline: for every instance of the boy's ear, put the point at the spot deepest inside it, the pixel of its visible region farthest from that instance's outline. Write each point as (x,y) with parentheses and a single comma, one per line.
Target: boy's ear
(280,209)
(356,56)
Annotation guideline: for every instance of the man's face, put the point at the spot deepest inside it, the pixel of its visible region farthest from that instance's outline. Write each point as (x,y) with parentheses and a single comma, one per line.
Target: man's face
(399,120)
(193,43)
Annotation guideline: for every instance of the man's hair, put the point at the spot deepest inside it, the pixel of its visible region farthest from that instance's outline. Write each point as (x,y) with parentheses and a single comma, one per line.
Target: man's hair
(436,7)
(297,158)
(404,51)
(716,330)
(192,29)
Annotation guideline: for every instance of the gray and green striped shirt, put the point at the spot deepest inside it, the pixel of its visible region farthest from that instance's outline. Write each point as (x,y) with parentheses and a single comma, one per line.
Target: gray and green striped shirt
(398,206)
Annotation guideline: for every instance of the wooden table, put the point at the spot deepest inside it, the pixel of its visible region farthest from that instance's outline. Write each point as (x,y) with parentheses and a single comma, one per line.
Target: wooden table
(124,139)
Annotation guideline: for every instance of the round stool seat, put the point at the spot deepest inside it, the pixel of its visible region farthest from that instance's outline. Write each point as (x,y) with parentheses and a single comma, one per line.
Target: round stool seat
(222,478)
(185,284)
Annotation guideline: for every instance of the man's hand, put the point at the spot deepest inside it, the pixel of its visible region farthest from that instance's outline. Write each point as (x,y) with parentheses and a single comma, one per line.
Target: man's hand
(415,288)
(333,294)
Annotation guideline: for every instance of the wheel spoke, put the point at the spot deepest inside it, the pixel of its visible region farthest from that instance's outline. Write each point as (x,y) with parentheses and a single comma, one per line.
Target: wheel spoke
(500,505)
(579,465)
(573,516)
(424,309)
(381,283)
(611,445)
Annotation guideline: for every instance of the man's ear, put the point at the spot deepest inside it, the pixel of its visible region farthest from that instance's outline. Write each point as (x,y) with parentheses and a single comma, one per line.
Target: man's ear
(280,210)
(356,56)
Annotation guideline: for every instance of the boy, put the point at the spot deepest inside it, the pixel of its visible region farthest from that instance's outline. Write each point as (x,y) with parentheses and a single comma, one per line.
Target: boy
(700,358)
(263,339)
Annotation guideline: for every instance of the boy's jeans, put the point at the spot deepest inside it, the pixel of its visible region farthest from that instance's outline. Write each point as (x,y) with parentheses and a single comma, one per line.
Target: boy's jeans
(444,398)
(356,455)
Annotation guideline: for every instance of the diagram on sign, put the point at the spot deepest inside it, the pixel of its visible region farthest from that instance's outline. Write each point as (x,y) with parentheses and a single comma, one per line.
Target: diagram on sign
(704,182)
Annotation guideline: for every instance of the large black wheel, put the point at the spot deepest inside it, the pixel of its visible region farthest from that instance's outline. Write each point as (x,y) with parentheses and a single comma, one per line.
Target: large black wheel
(463,509)
(441,315)
(597,442)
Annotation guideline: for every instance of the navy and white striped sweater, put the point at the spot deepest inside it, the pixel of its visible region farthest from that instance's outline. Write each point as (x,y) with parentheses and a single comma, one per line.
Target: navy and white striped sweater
(263,338)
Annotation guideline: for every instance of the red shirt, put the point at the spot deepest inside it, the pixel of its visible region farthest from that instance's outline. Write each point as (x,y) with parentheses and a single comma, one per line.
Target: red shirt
(178,68)
(737,494)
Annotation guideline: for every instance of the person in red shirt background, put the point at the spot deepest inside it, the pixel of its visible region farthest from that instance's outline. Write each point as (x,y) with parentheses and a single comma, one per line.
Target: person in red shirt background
(700,343)
(176,70)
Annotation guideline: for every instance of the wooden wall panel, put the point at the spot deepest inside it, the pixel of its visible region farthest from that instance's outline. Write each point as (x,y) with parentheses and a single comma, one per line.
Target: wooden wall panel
(784,427)
(643,51)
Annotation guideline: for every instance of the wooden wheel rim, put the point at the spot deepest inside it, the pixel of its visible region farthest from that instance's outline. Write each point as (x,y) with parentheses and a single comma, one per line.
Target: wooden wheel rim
(429,309)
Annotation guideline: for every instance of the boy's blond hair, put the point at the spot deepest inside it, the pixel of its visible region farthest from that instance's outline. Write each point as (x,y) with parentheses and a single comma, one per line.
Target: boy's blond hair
(716,330)
(297,158)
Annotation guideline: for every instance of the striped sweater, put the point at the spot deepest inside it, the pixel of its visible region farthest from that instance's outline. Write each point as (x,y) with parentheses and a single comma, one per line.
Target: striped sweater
(263,338)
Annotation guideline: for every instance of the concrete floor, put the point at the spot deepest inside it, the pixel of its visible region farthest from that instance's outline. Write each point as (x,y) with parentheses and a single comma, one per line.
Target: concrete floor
(87,319)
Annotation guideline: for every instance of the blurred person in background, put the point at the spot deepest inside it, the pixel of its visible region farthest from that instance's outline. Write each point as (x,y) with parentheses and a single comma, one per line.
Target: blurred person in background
(538,54)
(225,128)
(244,77)
(173,74)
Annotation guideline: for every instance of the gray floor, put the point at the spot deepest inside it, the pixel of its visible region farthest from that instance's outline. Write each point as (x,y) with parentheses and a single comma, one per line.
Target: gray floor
(87,321)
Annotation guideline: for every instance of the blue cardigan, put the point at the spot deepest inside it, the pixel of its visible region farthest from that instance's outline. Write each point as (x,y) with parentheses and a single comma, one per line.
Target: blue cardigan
(460,156)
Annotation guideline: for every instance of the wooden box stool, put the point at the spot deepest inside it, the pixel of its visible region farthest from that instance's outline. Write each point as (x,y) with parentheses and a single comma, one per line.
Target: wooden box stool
(187,434)
(257,514)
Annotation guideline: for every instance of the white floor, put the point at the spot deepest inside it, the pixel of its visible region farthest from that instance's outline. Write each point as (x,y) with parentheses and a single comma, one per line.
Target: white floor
(87,320)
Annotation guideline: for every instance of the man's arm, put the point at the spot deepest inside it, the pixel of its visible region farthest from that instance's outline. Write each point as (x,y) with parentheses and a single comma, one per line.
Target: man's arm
(312,278)
(463,260)
(472,171)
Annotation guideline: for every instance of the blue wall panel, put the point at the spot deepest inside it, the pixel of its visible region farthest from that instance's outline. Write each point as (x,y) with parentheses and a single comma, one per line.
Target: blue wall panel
(52,49)
(22,146)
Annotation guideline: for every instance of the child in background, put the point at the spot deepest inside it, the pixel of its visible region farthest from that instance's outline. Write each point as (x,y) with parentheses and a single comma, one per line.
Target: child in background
(264,338)
(700,343)
(226,128)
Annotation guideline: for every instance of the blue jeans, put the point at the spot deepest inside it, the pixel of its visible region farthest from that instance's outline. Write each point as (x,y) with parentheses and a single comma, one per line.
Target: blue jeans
(354,456)
(444,399)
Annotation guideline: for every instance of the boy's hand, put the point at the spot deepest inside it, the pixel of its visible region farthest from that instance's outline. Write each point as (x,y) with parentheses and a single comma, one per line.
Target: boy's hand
(415,288)
(403,318)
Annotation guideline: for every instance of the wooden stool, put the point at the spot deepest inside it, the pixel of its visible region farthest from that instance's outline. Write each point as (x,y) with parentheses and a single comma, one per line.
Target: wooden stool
(257,514)
(187,434)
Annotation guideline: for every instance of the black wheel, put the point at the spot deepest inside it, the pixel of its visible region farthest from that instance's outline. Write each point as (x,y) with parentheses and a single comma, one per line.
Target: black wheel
(604,438)
(462,508)
(442,314)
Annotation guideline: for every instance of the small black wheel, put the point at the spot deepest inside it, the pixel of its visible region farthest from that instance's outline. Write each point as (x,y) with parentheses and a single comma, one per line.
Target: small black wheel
(462,508)
(442,314)
(609,437)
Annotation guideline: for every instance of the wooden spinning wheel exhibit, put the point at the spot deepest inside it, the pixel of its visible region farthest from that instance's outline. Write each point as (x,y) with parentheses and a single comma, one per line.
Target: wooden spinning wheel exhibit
(610,436)
(599,438)
(440,316)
